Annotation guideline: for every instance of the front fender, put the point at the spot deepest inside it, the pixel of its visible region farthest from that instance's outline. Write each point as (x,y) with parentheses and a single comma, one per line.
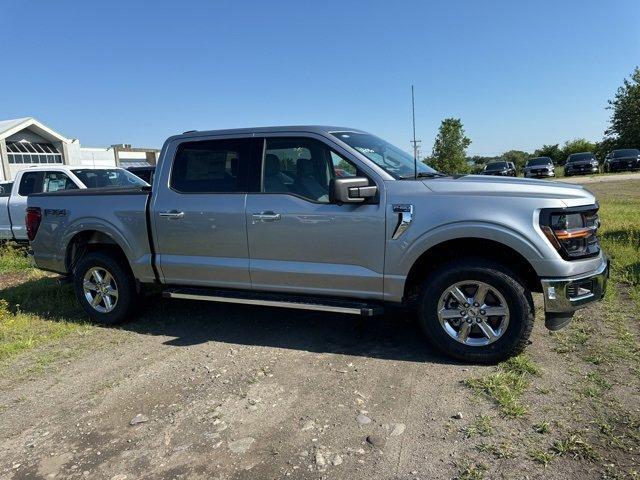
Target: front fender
(481,230)
(404,252)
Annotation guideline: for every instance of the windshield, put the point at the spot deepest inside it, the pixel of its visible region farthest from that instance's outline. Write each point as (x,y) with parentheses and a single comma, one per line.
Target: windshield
(629,152)
(496,166)
(391,159)
(108,177)
(535,162)
(576,157)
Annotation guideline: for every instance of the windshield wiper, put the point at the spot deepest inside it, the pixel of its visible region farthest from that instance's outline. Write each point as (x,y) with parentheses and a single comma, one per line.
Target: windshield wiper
(424,175)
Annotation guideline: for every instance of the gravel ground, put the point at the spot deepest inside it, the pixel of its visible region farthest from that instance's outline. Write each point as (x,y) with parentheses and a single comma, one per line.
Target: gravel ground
(195,390)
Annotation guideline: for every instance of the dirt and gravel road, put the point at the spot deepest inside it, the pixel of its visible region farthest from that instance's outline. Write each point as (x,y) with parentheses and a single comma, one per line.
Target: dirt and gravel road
(241,392)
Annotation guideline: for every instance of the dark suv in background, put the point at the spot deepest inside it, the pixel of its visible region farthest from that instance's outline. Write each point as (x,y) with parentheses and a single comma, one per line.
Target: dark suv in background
(539,167)
(581,163)
(503,169)
(619,160)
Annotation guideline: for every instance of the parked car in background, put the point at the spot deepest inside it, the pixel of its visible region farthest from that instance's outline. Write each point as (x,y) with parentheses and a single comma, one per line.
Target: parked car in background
(619,160)
(503,169)
(145,173)
(52,179)
(580,164)
(350,228)
(539,167)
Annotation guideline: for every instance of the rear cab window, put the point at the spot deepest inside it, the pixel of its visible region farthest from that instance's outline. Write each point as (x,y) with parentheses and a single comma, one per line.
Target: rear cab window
(31,182)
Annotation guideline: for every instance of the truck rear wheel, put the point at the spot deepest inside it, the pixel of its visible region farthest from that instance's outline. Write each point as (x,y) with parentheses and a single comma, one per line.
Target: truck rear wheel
(104,287)
(476,311)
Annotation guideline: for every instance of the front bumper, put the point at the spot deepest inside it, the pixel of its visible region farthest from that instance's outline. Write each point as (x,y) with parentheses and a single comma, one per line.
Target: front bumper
(581,171)
(544,174)
(563,296)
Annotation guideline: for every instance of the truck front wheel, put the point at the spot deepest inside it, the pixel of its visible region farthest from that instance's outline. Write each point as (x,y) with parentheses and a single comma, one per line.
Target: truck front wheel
(104,287)
(476,311)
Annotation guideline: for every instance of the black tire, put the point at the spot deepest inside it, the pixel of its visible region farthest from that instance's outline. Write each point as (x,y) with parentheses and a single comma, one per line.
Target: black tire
(518,300)
(122,280)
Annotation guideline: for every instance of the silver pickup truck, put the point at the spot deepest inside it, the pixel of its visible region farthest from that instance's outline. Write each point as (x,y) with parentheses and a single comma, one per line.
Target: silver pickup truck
(51,178)
(331,219)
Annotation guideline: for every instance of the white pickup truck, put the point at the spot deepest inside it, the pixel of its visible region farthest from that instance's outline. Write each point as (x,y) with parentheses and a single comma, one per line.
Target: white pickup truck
(13,197)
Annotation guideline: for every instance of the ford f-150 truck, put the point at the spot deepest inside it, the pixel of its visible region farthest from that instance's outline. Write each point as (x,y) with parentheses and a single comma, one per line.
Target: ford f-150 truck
(52,178)
(332,219)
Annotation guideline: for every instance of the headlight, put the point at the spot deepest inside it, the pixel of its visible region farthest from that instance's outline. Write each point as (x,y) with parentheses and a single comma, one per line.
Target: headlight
(572,232)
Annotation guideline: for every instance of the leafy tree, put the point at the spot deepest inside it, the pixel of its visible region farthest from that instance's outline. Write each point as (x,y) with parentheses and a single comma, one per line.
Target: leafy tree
(552,151)
(576,146)
(625,120)
(449,149)
(604,147)
(518,157)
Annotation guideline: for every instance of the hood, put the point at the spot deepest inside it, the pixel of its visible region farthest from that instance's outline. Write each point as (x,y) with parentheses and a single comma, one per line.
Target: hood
(480,185)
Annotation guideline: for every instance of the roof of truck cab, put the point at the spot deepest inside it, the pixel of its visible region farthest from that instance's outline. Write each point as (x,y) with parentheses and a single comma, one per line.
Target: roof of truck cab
(321,129)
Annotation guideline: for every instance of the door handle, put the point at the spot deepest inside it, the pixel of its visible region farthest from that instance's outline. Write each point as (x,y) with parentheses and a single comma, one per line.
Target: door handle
(266,217)
(172,214)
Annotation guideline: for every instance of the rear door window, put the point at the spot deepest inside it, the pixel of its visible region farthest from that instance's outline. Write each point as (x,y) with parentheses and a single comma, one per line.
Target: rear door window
(211,166)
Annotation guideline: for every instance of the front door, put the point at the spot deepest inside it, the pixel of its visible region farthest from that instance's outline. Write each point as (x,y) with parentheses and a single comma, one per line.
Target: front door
(200,229)
(300,242)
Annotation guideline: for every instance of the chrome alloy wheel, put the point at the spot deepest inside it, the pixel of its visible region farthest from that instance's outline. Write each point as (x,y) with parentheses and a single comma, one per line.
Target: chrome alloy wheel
(473,313)
(100,289)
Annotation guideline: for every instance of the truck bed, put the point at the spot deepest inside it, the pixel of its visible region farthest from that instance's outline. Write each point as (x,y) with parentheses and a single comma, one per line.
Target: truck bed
(121,213)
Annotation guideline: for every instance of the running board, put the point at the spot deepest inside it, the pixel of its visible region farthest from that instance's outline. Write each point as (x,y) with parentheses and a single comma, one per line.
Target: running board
(275,300)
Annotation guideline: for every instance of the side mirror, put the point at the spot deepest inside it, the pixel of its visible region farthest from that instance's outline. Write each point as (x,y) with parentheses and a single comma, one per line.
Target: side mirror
(351,190)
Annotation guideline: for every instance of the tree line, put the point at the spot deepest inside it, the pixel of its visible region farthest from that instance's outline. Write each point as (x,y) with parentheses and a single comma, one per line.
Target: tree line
(449,154)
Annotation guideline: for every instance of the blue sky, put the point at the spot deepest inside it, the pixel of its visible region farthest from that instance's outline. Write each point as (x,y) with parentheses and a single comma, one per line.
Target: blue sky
(518,74)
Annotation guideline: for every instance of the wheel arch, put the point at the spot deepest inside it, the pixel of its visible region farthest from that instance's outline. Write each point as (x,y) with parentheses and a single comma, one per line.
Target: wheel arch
(471,247)
(92,240)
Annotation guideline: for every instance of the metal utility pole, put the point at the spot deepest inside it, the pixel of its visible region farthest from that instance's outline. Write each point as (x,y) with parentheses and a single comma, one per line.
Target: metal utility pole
(414,142)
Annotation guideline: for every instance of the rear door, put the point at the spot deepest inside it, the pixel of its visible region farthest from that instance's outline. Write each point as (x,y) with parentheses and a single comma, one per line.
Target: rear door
(198,215)
(298,240)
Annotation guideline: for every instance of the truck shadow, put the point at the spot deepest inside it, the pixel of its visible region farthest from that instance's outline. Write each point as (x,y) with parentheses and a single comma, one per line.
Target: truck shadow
(390,336)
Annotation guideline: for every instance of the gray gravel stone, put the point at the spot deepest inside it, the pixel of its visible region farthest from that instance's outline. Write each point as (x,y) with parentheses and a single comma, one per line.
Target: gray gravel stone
(139,418)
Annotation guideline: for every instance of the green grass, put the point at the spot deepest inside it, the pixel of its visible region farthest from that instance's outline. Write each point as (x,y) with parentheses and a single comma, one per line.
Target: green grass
(472,472)
(575,446)
(20,331)
(480,426)
(35,312)
(13,259)
(541,456)
(542,427)
(620,231)
(498,450)
(507,385)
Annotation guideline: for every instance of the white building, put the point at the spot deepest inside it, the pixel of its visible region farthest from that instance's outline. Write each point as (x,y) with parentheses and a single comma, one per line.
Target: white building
(25,142)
